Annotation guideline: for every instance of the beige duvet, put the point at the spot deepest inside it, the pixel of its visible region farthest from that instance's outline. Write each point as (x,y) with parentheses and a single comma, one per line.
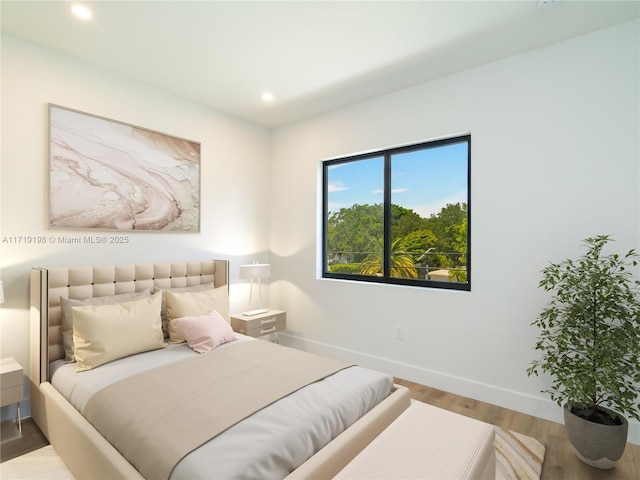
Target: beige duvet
(157,417)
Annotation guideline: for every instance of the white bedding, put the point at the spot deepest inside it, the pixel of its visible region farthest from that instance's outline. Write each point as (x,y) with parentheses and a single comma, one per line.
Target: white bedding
(265,445)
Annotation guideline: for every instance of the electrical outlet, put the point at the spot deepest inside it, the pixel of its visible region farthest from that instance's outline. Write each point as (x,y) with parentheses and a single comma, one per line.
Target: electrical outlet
(399,333)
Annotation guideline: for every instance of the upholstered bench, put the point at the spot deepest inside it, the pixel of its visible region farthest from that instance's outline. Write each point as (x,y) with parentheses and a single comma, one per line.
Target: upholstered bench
(426,442)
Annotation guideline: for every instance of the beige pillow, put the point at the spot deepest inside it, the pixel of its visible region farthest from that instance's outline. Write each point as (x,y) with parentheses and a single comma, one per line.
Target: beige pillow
(67,319)
(193,288)
(103,333)
(189,304)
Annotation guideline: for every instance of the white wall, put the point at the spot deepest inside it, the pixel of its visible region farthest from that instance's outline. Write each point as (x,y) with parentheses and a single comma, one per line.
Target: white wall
(234,204)
(555,158)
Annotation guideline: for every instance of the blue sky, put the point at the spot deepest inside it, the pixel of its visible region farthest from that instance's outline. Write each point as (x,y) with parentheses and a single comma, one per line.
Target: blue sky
(423,181)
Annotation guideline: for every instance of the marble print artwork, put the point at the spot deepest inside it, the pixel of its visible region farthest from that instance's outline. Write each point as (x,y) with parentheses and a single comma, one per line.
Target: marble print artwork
(114,176)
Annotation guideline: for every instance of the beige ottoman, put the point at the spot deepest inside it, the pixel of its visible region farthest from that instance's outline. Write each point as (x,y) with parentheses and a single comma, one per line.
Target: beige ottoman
(426,442)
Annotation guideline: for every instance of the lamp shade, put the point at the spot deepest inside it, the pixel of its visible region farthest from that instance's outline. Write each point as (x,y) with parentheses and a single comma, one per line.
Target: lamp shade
(1,292)
(255,270)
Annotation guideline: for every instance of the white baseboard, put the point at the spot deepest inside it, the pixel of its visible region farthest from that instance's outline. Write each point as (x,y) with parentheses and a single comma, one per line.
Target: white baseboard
(530,405)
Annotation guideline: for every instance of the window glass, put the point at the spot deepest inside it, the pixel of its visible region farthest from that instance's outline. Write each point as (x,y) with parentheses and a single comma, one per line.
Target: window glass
(356,215)
(428,212)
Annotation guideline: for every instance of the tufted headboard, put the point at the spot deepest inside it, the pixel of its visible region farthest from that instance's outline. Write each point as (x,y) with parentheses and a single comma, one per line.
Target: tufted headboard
(49,284)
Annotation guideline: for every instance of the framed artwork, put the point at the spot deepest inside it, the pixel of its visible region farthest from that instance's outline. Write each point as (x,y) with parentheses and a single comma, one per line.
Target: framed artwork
(109,175)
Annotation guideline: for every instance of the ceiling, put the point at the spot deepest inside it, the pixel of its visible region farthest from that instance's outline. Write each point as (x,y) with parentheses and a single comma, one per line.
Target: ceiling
(314,56)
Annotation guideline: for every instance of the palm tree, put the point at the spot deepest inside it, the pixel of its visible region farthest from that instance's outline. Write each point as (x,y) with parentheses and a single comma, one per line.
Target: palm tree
(402,265)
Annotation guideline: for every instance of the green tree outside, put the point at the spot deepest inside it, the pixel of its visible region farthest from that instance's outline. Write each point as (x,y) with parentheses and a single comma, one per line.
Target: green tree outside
(355,236)
(402,265)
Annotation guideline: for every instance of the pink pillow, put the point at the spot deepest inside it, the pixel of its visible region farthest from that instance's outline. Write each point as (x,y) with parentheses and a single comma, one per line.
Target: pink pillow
(205,332)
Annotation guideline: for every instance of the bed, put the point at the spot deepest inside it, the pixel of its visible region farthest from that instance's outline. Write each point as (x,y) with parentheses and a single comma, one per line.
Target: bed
(252,445)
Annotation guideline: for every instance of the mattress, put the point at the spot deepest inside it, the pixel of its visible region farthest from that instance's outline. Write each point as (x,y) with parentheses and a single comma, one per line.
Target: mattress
(270,443)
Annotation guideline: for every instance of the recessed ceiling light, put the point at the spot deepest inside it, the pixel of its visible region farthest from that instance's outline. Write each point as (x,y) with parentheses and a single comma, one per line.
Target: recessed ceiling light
(267,97)
(81,11)
(546,4)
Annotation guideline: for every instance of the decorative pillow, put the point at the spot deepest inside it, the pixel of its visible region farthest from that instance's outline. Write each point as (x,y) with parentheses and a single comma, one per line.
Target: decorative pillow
(192,288)
(189,304)
(67,319)
(205,332)
(103,333)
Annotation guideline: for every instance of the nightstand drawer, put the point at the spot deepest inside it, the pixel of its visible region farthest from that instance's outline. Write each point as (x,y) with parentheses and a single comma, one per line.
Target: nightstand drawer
(271,321)
(264,320)
(265,329)
(11,381)
(10,395)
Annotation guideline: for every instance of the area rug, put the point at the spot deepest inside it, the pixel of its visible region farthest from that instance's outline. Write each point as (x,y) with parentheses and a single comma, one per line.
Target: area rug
(518,457)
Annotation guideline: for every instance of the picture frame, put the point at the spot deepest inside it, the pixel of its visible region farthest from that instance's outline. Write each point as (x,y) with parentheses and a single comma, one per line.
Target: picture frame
(109,175)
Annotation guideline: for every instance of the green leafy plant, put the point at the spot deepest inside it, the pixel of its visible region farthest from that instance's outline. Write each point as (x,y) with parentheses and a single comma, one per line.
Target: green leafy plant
(590,332)
(350,268)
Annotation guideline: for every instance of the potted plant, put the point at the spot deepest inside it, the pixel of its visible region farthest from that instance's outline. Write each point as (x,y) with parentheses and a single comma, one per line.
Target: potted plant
(590,343)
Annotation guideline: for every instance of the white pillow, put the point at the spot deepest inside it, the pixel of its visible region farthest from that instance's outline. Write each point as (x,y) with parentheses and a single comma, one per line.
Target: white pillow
(205,332)
(189,304)
(103,333)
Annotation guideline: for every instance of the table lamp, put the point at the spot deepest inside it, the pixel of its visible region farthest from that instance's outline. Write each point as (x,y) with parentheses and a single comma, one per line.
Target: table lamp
(255,271)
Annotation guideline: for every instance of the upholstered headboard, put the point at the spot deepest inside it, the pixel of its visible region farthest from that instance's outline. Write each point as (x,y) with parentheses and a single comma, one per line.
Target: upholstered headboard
(49,284)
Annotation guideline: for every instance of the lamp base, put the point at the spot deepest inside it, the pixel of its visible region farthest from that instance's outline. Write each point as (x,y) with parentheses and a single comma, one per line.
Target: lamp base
(258,311)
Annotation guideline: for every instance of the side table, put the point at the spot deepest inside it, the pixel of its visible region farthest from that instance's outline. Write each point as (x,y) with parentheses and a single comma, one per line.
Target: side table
(271,321)
(11,385)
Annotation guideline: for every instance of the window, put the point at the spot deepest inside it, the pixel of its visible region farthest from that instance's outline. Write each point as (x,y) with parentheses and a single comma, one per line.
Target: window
(400,216)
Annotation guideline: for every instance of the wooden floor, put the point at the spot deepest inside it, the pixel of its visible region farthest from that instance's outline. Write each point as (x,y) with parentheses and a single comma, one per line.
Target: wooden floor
(14,445)
(560,462)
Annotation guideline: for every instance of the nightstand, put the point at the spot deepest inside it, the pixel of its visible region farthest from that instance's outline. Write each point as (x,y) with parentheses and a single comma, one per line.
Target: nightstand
(271,321)
(11,385)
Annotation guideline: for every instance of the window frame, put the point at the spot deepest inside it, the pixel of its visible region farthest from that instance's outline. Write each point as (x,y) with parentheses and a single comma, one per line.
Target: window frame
(387,154)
